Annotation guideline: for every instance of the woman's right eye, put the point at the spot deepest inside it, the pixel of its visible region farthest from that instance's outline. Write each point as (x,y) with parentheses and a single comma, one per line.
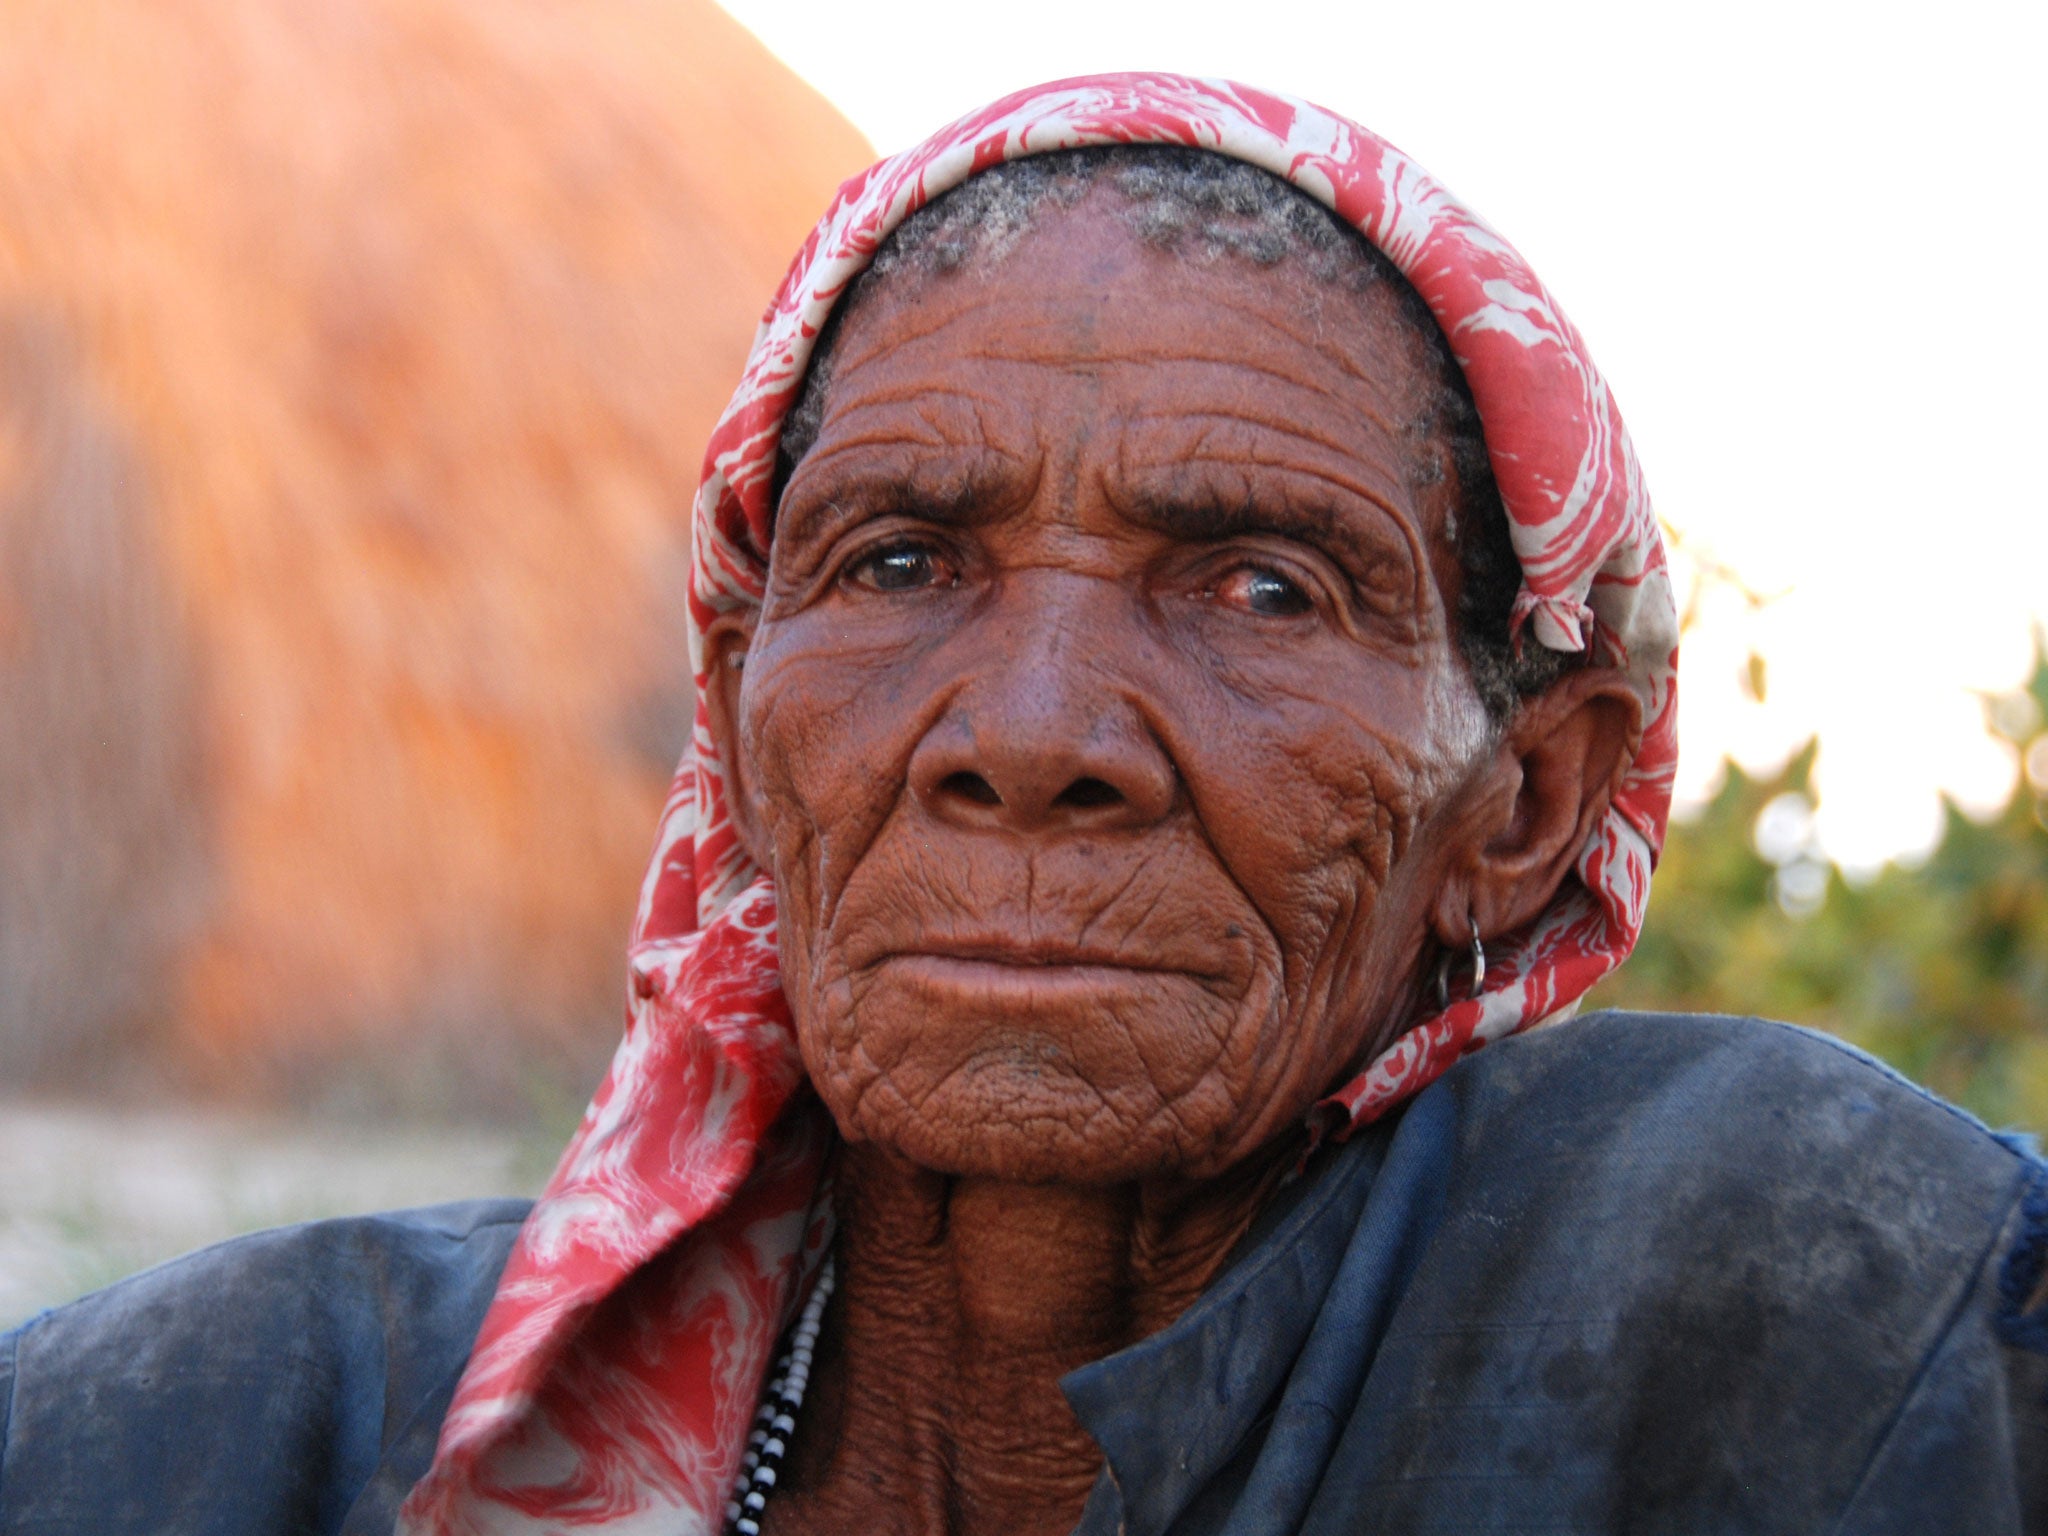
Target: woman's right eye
(904,567)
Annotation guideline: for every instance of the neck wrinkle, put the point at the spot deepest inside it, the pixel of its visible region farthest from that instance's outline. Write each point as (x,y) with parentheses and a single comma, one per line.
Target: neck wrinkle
(962,1302)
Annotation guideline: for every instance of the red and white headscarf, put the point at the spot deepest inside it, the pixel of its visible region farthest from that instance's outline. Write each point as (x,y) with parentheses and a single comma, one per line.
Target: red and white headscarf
(617,1371)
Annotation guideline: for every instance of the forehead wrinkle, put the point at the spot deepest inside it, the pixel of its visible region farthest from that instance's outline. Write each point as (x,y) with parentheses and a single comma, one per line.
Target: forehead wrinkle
(1285,406)
(952,411)
(1307,325)
(910,328)
(1384,499)
(1287,429)
(869,443)
(1357,393)
(932,488)
(925,397)
(1029,337)
(903,324)
(1148,356)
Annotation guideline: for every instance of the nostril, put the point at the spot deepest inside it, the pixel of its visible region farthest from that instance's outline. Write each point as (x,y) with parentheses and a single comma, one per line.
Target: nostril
(970,786)
(1083,794)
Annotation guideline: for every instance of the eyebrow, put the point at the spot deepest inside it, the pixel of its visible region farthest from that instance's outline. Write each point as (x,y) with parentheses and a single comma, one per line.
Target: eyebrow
(1242,498)
(957,486)
(1197,516)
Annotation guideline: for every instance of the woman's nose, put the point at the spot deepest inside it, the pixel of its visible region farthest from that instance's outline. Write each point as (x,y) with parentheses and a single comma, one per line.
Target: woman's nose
(1041,741)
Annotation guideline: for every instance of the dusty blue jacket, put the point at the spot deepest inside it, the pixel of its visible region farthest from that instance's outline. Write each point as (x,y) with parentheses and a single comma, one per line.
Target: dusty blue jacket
(1636,1274)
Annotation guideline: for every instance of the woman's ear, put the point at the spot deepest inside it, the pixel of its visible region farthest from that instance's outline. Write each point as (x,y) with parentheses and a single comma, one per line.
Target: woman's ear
(1551,779)
(725,666)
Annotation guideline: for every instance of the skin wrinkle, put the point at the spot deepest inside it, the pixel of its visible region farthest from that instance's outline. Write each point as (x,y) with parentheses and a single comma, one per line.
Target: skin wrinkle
(979,499)
(859,961)
(1369,385)
(1179,751)
(1205,210)
(1177,512)
(1011,345)
(1235,459)
(1043,1162)
(1179,516)
(969,1049)
(1058,349)
(1377,871)
(1415,564)
(1137,920)
(820,833)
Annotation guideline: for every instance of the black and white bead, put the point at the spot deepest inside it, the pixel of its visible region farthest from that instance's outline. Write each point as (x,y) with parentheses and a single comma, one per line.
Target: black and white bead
(775,1421)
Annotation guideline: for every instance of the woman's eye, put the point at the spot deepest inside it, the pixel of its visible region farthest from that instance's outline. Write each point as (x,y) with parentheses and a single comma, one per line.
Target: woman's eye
(1263,590)
(901,568)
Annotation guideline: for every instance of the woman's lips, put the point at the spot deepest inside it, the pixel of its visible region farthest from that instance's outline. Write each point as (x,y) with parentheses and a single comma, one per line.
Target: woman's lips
(1000,985)
(1026,956)
(1036,973)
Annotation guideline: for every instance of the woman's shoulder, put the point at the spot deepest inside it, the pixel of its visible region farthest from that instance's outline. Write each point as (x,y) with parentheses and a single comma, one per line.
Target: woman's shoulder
(1629,1272)
(1748,1148)
(332,1345)
(1792,1278)
(1733,1090)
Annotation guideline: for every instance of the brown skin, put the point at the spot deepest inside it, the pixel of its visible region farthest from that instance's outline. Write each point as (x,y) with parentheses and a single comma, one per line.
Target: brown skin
(1106,732)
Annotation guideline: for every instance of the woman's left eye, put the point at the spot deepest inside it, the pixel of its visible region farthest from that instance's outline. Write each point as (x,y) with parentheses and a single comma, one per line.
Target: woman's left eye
(1261,589)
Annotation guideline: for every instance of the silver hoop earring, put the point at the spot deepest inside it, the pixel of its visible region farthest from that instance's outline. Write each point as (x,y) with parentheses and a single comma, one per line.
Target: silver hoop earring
(1443,968)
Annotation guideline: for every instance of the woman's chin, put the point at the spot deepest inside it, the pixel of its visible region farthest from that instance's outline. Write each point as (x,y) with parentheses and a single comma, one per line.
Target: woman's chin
(1013,1111)
(997,1122)
(1075,1073)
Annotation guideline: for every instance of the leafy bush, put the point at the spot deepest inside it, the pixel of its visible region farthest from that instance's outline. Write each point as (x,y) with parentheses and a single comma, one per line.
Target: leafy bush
(1939,968)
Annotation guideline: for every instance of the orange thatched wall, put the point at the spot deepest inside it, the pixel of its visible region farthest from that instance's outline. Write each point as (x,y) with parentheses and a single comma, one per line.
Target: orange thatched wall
(355,362)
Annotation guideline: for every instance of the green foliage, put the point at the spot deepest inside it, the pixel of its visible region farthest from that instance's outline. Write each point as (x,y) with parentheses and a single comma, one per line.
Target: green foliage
(1941,969)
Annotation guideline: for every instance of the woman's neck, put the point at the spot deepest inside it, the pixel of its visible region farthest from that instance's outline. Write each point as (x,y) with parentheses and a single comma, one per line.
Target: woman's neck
(935,1404)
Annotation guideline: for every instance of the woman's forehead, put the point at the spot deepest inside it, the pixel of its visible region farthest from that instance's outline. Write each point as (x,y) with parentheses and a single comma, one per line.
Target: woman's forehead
(1083,280)
(1085,337)
(1084,308)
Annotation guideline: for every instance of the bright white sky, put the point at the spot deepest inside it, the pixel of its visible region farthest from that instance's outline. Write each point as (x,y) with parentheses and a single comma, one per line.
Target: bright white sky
(1805,242)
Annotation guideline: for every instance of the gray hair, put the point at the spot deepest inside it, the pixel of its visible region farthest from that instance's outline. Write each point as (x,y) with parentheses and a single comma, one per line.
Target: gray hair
(1204,208)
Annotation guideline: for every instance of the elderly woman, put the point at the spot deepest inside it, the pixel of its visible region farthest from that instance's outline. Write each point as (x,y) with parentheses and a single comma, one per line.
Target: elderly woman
(1184,660)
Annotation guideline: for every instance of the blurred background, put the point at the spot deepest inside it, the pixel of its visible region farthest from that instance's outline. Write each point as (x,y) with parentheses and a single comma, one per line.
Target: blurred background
(356,357)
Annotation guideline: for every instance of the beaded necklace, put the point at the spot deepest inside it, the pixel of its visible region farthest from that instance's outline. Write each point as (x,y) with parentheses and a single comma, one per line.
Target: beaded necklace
(775,1420)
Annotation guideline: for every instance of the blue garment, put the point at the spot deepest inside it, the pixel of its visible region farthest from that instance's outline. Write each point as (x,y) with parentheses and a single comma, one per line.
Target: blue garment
(293,1381)
(1635,1274)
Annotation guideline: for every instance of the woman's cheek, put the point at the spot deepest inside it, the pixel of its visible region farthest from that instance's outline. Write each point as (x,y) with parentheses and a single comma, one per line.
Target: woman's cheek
(1317,852)
(827,764)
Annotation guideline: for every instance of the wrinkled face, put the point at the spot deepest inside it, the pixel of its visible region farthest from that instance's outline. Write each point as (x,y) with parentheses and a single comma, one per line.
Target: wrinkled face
(1104,721)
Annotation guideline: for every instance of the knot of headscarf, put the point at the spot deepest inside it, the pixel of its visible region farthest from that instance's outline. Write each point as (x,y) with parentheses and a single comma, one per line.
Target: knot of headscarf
(616,1372)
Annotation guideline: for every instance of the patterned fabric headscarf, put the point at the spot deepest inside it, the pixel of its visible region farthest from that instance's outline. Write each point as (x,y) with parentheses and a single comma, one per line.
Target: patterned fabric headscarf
(616,1374)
